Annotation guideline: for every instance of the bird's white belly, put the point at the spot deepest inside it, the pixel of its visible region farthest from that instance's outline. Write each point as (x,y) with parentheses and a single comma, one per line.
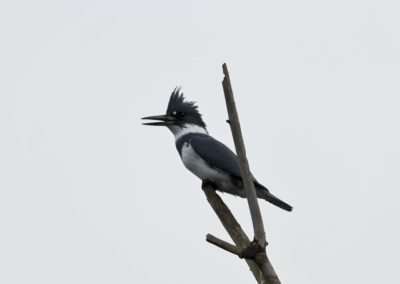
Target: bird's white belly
(199,167)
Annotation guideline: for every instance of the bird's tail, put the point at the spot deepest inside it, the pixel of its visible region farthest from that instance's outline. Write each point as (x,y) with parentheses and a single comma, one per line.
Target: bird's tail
(266,195)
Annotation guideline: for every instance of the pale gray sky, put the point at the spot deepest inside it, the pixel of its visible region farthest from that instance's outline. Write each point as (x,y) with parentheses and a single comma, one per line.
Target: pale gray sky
(88,195)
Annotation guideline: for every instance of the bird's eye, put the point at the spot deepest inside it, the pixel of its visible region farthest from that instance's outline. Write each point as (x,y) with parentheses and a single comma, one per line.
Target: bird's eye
(178,114)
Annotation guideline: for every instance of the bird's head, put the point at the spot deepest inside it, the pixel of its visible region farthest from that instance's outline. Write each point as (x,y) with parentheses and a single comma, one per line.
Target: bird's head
(180,115)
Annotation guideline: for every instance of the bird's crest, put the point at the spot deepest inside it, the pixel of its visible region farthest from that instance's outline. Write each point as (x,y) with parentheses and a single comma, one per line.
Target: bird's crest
(178,103)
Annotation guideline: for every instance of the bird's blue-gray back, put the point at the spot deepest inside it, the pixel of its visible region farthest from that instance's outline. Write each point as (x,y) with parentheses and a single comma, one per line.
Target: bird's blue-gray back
(214,152)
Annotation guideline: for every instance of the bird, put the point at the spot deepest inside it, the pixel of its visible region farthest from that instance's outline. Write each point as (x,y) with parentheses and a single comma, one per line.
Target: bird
(206,157)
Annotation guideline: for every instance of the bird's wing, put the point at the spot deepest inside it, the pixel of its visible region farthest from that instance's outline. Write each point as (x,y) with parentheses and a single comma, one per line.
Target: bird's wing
(216,154)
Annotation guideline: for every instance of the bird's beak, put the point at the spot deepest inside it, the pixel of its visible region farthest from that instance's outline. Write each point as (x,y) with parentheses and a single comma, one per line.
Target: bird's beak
(164,120)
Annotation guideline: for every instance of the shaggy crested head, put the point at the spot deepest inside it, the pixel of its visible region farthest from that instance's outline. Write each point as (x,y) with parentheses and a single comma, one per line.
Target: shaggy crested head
(182,117)
(186,112)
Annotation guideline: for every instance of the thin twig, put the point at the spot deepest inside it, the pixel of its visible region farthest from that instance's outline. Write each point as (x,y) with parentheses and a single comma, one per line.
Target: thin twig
(248,183)
(253,252)
(224,245)
(258,226)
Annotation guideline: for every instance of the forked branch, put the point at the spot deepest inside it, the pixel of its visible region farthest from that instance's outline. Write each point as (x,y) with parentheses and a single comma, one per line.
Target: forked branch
(254,252)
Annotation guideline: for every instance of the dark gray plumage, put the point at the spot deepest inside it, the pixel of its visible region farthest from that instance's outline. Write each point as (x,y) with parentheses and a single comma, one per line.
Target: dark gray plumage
(204,156)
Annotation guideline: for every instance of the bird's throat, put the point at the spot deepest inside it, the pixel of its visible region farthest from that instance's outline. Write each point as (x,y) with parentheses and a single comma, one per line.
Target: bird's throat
(180,131)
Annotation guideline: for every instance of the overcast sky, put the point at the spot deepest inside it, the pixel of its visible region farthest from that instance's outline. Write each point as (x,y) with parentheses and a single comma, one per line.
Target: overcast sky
(89,195)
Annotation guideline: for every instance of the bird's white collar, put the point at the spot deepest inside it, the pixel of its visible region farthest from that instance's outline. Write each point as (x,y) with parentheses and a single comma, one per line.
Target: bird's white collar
(186,129)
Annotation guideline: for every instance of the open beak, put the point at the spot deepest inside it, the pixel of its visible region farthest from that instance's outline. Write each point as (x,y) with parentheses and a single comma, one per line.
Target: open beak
(164,120)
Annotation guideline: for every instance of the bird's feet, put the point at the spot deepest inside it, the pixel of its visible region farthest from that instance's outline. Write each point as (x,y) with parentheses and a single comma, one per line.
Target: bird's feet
(208,184)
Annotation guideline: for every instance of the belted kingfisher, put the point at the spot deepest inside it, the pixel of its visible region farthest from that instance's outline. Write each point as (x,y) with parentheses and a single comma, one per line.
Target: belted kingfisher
(204,156)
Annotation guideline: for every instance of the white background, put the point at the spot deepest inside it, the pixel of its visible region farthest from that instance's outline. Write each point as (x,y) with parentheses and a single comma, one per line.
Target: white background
(89,195)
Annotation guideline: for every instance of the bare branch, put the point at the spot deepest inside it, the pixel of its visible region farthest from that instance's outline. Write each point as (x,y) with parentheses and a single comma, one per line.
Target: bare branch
(224,245)
(254,252)
(229,222)
(233,228)
(268,271)
(258,226)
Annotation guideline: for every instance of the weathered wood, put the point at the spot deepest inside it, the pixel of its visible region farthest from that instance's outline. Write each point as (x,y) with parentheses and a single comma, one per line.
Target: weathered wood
(233,228)
(258,226)
(224,245)
(254,252)
(260,243)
